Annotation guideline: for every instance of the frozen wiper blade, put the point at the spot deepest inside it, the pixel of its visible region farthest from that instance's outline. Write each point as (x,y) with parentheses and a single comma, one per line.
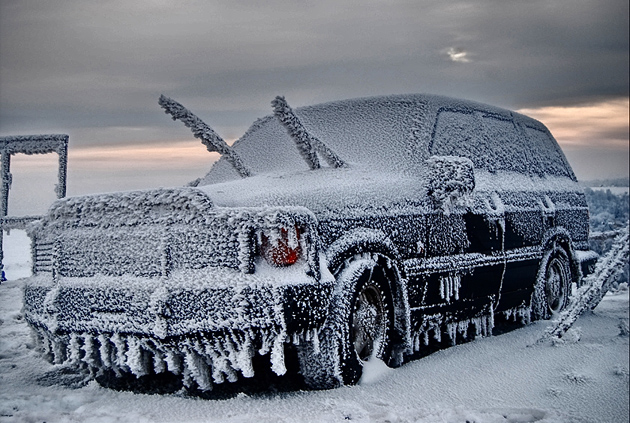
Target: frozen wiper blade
(209,138)
(307,144)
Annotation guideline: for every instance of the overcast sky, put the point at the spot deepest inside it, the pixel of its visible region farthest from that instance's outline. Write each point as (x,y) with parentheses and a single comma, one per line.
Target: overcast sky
(94,69)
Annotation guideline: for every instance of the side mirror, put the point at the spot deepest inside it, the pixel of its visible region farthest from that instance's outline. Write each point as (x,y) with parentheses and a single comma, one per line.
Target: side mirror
(450,180)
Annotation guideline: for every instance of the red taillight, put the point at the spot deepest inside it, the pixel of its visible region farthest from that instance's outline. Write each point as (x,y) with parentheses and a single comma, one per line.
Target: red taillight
(283,249)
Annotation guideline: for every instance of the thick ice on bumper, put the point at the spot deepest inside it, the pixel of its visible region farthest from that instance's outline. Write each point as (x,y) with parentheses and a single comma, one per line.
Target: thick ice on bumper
(195,323)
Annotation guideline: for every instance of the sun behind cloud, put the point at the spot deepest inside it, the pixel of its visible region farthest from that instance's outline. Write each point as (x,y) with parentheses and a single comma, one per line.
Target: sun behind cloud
(457,54)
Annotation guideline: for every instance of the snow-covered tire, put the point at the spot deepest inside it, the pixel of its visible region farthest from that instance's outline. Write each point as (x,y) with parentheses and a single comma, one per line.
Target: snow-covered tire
(553,284)
(369,326)
(359,327)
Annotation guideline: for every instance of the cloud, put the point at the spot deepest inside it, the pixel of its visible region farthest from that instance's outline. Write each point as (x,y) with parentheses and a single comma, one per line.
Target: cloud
(457,54)
(95,69)
(594,136)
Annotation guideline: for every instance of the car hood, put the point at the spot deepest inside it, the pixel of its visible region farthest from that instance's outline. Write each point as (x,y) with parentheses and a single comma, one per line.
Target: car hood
(326,190)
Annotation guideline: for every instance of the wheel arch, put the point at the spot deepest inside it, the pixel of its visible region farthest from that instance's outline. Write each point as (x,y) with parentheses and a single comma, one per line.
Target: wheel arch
(561,237)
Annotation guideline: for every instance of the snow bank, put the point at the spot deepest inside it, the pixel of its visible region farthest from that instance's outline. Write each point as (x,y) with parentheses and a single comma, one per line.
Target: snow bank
(497,379)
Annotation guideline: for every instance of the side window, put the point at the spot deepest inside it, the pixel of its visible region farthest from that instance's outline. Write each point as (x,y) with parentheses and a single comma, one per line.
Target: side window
(494,142)
(456,133)
(490,141)
(504,146)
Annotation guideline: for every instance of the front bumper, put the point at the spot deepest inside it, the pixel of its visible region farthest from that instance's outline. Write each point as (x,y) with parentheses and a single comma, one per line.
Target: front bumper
(198,323)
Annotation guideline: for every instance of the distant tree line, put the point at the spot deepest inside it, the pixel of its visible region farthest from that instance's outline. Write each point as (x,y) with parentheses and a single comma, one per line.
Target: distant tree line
(608,212)
(616,182)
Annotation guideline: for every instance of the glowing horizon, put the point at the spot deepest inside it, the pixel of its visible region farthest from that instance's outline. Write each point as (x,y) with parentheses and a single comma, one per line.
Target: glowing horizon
(604,124)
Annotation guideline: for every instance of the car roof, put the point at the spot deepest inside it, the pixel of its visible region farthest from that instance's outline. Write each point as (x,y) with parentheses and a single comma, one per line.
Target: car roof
(387,133)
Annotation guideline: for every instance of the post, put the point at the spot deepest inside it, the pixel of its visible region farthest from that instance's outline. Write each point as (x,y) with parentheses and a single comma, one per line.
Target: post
(5,171)
(60,189)
(6,182)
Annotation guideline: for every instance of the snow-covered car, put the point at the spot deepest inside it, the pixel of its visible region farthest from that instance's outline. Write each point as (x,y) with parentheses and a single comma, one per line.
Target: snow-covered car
(338,233)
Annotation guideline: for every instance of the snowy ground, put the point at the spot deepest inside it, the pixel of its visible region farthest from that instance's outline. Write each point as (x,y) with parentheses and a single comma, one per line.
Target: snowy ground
(506,378)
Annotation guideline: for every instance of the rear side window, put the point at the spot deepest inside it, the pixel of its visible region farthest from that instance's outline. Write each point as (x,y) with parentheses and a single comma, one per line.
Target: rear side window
(495,142)
(548,157)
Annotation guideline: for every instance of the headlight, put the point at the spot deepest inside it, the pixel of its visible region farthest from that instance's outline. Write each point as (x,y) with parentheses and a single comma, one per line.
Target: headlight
(281,247)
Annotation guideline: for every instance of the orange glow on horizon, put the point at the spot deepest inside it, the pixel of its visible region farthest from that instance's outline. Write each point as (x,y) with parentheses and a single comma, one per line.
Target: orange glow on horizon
(602,125)
(179,154)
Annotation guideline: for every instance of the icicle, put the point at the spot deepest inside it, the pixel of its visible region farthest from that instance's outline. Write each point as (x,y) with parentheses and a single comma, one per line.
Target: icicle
(60,351)
(277,355)
(187,377)
(197,368)
(88,349)
(231,350)
(449,287)
(120,358)
(218,365)
(224,361)
(46,344)
(159,365)
(425,336)
(104,351)
(452,332)
(462,328)
(75,349)
(437,334)
(173,362)
(244,357)
(456,281)
(135,360)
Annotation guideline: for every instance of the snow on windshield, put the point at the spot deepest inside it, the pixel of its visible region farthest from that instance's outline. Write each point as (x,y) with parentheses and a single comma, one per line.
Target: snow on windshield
(378,132)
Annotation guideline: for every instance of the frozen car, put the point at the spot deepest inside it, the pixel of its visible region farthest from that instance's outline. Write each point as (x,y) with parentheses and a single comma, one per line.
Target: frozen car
(338,233)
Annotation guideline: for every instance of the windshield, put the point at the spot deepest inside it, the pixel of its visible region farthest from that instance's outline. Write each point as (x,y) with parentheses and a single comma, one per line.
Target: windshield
(384,133)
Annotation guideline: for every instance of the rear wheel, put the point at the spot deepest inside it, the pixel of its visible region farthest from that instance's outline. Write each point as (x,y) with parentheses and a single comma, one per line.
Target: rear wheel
(553,285)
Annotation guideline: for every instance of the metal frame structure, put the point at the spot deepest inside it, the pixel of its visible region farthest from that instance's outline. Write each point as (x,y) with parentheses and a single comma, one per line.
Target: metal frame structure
(27,144)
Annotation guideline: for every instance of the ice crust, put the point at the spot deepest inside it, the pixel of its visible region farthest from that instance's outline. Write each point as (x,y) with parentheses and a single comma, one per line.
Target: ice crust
(172,279)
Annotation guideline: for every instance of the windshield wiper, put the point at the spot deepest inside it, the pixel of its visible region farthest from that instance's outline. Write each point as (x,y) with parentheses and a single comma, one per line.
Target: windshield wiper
(209,138)
(307,144)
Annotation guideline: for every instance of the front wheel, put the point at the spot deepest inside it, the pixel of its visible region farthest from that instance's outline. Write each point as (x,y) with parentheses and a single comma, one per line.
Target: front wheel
(369,326)
(359,327)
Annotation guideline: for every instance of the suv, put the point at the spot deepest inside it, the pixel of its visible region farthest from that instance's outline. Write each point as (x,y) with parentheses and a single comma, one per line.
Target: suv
(334,234)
